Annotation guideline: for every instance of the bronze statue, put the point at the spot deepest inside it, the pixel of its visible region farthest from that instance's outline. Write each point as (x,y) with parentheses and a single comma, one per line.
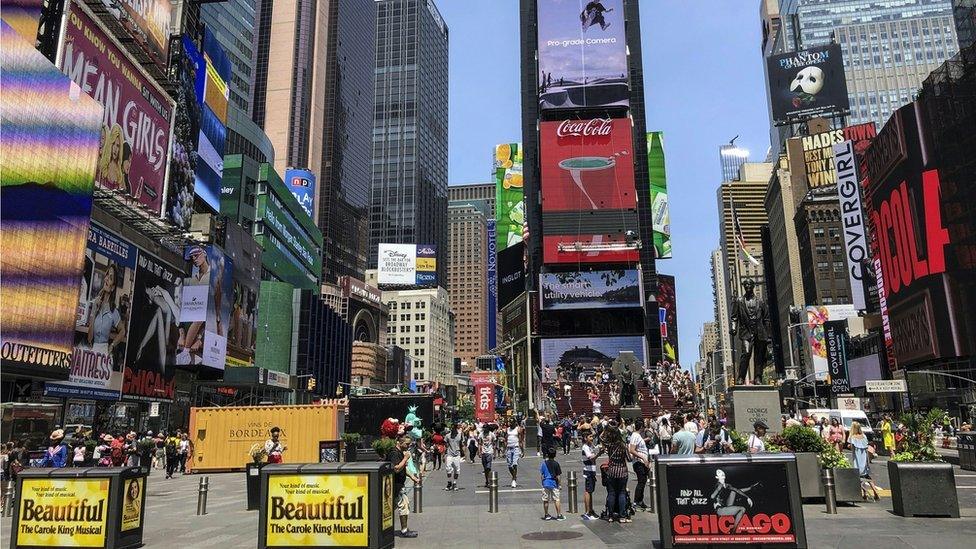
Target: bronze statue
(750,321)
(626,369)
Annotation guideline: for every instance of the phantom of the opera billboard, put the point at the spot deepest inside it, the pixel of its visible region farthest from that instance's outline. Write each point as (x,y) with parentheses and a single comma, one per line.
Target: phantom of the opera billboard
(807,83)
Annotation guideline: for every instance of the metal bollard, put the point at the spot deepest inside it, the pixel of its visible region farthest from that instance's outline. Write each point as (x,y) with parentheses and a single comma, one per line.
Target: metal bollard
(830,491)
(202,495)
(418,497)
(652,488)
(9,510)
(573,505)
(493,493)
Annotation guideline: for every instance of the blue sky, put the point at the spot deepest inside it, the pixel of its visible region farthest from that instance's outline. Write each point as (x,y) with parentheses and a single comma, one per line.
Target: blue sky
(703,85)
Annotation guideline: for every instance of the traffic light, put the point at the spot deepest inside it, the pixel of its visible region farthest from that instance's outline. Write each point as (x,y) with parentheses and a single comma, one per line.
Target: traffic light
(310,385)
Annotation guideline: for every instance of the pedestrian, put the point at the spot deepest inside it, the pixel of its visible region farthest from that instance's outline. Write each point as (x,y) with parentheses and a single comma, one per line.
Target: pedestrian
(78,459)
(835,434)
(567,434)
(56,454)
(551,472)
(590,454)
(437,448)
(487,447)
(273,447)
(131,450)
(117,450)
(664,434)
(683,441)
(472,443)
(399,457)
(888,435)
(102,455)
(637,450)
(548,435)
(172,451)
(514,448)
(755,442)
(616,474)
(452,449)
(691,424)
(185,454)
(715,439)
(863,454)
(159,452)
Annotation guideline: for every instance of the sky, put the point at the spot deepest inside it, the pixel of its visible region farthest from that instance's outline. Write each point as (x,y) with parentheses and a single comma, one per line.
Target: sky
(703,83)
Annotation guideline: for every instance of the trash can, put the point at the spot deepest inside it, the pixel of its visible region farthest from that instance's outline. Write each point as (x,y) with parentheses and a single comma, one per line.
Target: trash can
(326,505)
(253,480)
(80,507)
(966,444)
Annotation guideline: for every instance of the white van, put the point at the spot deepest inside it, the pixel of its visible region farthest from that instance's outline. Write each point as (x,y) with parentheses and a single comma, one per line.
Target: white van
(846,417)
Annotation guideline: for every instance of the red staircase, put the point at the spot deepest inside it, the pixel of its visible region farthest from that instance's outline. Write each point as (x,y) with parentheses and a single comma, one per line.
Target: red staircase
(581,402)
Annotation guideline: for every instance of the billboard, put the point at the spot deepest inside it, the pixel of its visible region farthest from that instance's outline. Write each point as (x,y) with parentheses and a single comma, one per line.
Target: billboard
(103,314)
(318,510)
(407,265)
(49,132)
(835,340)
(658,181)
(242,330)
(667,310)
(511,274)
(817,316)
(573,356)
(588,248)
(136,124)
(492,275)
(148,22)
(807,83)
(590,290)
(849,197)
(426,265)
(213,72)
(154,335)
(582,54)
(301,183)
(484,395)
(24,16)
(186,137)
(818,151)
(205,307)
(509,194)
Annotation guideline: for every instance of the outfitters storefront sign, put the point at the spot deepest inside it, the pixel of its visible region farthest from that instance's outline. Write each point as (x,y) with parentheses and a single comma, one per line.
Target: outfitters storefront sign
(318,510)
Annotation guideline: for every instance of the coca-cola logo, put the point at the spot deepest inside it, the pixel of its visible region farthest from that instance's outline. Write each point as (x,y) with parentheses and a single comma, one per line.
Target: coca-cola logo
(595,127)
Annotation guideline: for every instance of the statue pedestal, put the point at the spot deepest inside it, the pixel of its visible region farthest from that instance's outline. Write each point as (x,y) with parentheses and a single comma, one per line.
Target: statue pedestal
(630,412)
(750,403)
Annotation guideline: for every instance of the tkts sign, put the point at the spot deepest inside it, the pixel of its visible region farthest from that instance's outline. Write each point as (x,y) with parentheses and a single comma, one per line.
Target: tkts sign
(484,395)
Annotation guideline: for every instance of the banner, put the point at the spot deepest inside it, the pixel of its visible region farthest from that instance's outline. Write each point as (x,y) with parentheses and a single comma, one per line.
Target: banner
(63,512)
(205,307)
(582,54)
(133,502)
(49,144)
(511,274)
(492,274)
(136,125)
(817,152)
(730,504)
(807,83)
(318,510)
(186,138)
(574,356)
(509,194)
(154,335)
(484,395)
(658,180)
(213,73)
(667,308)
(835,337)
(817,316)
(849,196)
(148,21)
(301,183)
(426,266)
(397,264)
(590,290)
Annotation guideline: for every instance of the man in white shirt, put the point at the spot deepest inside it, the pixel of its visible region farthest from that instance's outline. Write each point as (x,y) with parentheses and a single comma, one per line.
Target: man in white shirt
(691,425)
(755,442)
(637,448)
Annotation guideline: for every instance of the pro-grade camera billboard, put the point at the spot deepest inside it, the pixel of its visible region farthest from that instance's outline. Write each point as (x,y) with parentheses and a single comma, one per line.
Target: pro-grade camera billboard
(582,54)
(807,83)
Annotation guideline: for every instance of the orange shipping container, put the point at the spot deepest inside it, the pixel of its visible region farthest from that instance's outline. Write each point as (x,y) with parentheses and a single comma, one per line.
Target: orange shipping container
(223,437)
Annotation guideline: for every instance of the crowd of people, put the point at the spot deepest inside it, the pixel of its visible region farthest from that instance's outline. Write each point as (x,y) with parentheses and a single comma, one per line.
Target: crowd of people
(665,378)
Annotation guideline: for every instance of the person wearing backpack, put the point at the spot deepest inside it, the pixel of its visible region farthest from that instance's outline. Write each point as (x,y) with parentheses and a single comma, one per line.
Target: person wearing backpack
(551,472)
(172,449)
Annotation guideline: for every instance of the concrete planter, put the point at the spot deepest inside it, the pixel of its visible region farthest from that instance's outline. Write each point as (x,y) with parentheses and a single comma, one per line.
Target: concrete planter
(847,484)
(923,489)
(808,469)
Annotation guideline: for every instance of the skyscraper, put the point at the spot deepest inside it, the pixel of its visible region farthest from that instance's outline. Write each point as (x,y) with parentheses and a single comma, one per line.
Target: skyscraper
(233,23)
(466,280)
(743,259)
(408,195)
(732,158)
(808,23)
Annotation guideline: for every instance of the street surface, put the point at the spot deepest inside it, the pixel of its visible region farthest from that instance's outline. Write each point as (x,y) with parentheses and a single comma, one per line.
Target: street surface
(461,519)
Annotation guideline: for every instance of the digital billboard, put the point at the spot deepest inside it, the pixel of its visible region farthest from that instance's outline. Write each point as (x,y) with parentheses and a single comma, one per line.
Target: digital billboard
(186,137)
(407,265)
(573,356)
(582,54)
(246,275)
(205,307)
(817,151)
(148,22)
(49,142)
(24,16)
(426,266)
(807,83)
(590,290)
(511,273)
(138,113)
(103,315)
(817,316)
(658,180)
(588,248)
(155,339)
(301,183)
(667,310)
(509,194)
(213,73)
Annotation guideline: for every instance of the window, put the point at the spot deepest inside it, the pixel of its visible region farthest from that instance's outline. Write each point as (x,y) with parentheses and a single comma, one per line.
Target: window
(818,232)
(839,266)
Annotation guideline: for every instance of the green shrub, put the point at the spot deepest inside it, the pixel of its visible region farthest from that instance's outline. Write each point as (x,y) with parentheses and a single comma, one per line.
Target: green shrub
(351,439)
(831,458)
(383,446)
(919,444)
(738,442)
(797,438)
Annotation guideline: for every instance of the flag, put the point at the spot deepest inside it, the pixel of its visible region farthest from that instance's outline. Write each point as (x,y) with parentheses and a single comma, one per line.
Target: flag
(739,238)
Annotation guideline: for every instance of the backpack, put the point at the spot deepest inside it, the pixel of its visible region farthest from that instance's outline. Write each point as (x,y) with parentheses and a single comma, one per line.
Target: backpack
(548,481)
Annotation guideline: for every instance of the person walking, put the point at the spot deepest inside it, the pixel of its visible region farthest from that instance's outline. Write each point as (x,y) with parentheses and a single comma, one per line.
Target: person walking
(56,454)
(172,451)
(567,434)
(616,472)
(835,434)
(548,439)
(664,435)
(551,471)
(863,453)
(514,448)
(637,449)
(437,449)
(399,457)
(755,443)
(590,454)
(472,443)
(452,450)
(185,453)
(715,439)
(888,435)
(487,449)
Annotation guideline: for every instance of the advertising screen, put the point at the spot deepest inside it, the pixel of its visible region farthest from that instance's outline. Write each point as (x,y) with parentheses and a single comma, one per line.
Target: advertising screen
(154,333)
(509,194)
(588,248)
(426,266)
(658,181)
(511,273)
(484,395)
(63,512)
(397,264)
(317,510)
(817,316)
(207,297)
(667,310)
(574,356)
(136,126)
(835,340)
(49,134)
(301,183)
(186,137)
(590,290)
(213,72)
(818,151)
(366,414)
(242,330)
(807,83)
(582,54)
(24,17)
(147,21)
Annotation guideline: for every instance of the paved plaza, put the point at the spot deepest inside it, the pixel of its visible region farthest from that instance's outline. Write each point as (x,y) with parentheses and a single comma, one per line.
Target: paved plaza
(461,519)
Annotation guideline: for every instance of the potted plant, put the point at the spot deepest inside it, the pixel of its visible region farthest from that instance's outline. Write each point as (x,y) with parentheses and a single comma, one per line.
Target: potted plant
(921,482)
(350,441)
(847,481)
(383,446)
(252,477)
(806,444)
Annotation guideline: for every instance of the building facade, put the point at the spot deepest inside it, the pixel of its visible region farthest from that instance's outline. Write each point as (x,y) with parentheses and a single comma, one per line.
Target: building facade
(721,364)
(732,158)
(474,193)
(233,23)
(467,283)
(420,323)
(747,196)
(408,193)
